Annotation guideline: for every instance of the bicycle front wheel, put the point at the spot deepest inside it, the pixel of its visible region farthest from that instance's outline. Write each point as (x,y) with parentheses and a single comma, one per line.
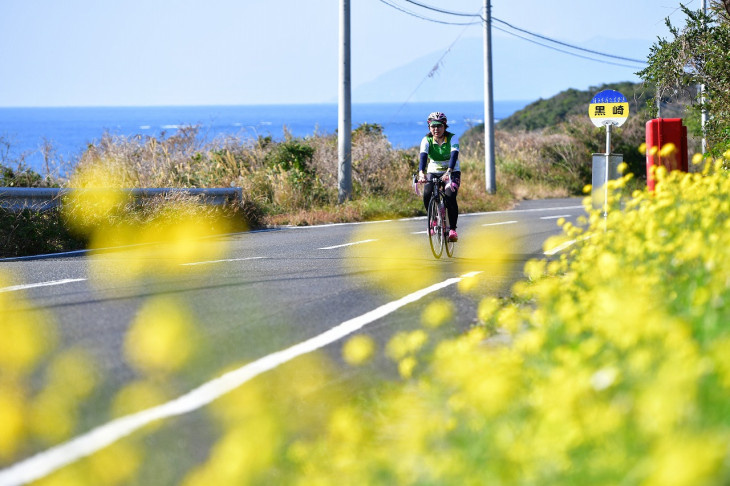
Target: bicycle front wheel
(435,228)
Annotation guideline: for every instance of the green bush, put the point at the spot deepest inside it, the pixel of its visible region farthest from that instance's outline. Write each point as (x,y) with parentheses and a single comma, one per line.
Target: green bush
(291,155)
(31,232)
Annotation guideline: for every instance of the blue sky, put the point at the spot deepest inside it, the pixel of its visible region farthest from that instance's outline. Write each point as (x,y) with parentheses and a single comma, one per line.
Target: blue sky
(198,52)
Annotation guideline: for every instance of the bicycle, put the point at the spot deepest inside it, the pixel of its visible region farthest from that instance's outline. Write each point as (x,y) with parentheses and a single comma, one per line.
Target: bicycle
(438,218)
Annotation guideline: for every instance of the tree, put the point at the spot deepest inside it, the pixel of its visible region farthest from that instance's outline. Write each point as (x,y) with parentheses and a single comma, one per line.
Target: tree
(698,54)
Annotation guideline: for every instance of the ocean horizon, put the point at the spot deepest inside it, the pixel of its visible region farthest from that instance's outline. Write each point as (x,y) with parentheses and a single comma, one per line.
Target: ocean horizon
(68,131)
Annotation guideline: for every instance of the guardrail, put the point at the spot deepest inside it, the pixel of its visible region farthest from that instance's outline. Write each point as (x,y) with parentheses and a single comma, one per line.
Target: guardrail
(43,199)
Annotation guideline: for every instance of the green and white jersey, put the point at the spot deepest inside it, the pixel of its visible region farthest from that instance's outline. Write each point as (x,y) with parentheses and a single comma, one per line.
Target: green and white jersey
(439,155)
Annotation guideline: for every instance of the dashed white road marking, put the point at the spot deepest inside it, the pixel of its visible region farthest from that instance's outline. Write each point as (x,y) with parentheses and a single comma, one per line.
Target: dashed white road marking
(220,261)
(512,211)
(560,248)
(558,216)
(41,284)
(347,244)
(46,462)
(499,223)
(567,244)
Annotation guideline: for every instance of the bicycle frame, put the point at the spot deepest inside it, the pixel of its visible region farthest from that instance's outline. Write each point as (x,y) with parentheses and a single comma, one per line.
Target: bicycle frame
(438,220)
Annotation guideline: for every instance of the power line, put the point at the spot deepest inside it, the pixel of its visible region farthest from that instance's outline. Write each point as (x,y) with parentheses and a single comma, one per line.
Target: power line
(566,44)
(534,34)
(603,61)
(448,12)
(426,18)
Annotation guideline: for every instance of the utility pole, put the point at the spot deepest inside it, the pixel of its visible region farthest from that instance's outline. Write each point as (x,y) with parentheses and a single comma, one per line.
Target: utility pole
(702,97)
(344,109)
(489,167)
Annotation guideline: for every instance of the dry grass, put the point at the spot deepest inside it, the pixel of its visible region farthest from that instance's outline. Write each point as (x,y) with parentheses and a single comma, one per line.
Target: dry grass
(294,181)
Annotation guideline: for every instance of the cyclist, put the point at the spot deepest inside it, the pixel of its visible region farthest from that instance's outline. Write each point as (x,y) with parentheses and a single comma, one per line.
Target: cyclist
(440,156)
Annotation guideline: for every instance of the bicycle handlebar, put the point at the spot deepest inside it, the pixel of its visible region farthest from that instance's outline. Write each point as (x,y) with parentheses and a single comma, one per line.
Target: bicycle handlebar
(433,178)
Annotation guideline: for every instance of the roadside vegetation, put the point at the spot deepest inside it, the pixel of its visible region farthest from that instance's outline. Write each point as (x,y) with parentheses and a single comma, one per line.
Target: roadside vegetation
(291,181)
(609,364)
(589,374)
(294,181)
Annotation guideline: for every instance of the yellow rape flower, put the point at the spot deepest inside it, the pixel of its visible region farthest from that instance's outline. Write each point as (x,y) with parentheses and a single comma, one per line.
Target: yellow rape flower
(74,372)
(358,349)
(345,426)
(12,422)
(667,150)
(137,396)
(389,258)
(686,460)
(115,464)
(437,313)
(162,337)
(53,416)
(406,366)
(27,336)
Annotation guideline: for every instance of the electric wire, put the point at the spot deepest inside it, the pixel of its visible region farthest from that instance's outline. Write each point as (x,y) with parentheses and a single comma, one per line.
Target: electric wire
(482,20)
(602,61)
(566,44)
(397,7)
(448,12)
(534,34)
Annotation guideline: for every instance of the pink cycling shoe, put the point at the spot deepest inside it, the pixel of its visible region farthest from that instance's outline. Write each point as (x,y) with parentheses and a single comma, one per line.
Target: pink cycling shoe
(433,227)
(453,236)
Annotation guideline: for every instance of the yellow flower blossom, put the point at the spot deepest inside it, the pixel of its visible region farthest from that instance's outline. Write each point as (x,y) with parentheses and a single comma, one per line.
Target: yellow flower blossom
(13,423)
(437,313)
(162,338)
(686,460)
(406,343)
(137,396)
(406,366)
(115,464)
(358,349)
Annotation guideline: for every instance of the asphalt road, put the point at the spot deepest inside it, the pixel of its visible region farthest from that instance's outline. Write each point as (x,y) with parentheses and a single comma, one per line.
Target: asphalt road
(251,295)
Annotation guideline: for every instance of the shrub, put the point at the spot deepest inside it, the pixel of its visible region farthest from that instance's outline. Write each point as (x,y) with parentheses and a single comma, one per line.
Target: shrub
(31,232)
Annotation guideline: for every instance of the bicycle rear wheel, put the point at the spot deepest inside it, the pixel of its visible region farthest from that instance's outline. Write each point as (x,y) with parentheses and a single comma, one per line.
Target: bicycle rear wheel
(448,243)
(435,228)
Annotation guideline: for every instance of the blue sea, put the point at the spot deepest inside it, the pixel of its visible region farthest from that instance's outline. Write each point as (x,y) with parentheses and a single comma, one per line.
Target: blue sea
(68,131)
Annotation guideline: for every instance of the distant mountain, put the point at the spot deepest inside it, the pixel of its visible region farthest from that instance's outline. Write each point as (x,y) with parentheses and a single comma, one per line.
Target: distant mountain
(521,71)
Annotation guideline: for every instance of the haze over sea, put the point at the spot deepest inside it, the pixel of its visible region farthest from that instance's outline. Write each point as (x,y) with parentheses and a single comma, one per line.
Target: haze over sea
(70,130)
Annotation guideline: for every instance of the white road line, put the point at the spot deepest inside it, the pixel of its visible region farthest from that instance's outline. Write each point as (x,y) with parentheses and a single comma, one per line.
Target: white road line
(568,244)
(510,211)
(560,208)
(220,261)
(346,244)
(557,216)
(46,462)
(419,232)
(500,223)
(41,284)
(560,248)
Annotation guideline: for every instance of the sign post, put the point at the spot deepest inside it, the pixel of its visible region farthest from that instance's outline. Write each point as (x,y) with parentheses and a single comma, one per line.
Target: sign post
(608,109)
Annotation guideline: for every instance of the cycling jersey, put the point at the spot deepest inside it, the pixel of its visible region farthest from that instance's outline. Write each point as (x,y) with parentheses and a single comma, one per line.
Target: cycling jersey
(439,155)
